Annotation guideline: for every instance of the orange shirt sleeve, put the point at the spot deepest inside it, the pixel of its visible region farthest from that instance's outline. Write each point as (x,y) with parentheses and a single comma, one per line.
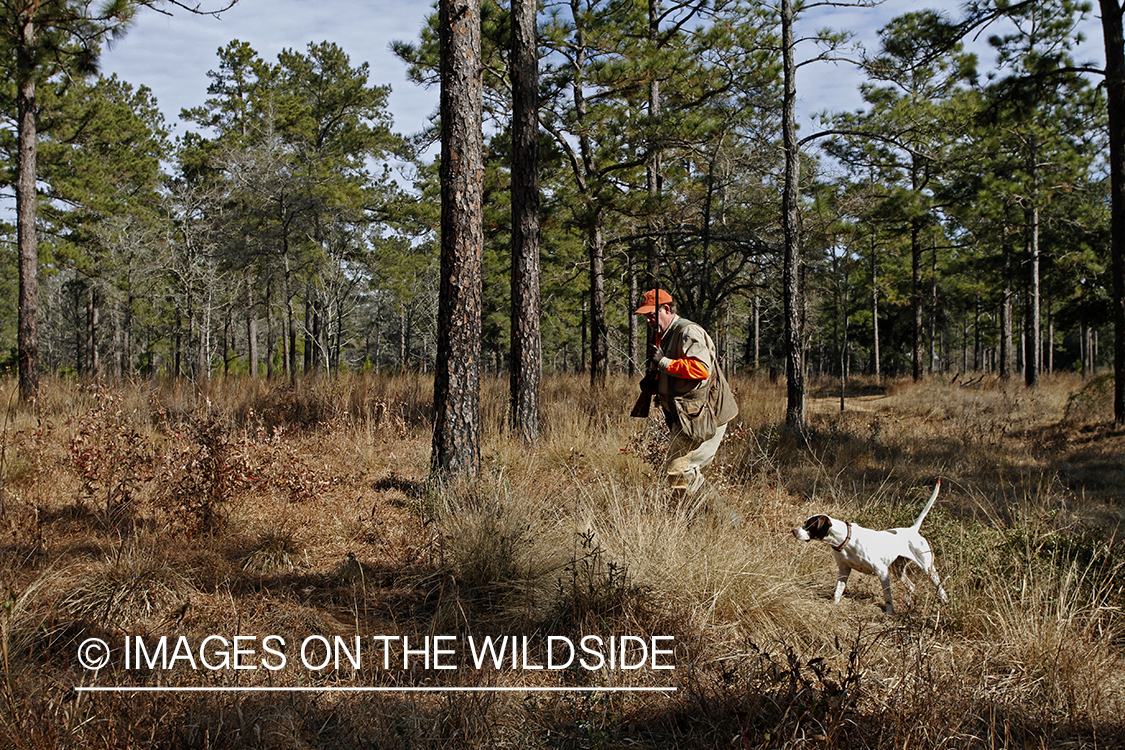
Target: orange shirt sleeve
(688,368)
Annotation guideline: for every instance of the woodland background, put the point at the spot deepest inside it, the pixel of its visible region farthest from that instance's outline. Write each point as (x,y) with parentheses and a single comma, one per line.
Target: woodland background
(240,333)
(957,223)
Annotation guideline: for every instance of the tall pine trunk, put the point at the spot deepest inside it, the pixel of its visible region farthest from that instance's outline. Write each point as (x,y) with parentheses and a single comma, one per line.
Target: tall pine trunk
(876,362)
(251,324)
(93,362)
(599,330)
(634,294)
(527,356)
(653,183)
(27,335)
(918,348)
(456,437)
(1006,310)
(589,179)
(1032,333)
(795,406)
(309,356)
(1115,95)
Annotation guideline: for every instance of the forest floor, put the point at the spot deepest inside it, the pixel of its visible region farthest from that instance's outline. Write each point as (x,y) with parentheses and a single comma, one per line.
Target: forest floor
(303,512)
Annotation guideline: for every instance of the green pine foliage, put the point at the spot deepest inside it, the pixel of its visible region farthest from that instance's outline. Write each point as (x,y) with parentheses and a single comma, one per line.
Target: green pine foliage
(293,212)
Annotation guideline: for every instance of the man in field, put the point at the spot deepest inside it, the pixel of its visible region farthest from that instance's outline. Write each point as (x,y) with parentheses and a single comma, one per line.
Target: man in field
(692,391)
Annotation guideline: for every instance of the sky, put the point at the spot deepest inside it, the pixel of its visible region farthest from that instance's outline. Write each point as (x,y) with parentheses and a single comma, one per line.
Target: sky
(172,55)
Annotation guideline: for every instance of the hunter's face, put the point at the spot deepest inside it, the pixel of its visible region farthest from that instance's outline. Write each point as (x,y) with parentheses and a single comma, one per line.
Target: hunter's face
(660,318)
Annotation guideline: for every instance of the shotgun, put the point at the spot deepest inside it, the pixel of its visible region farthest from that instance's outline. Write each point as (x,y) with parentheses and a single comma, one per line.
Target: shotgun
(648,390)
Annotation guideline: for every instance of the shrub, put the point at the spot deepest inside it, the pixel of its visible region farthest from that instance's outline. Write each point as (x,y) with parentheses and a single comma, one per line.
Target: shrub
(202,473)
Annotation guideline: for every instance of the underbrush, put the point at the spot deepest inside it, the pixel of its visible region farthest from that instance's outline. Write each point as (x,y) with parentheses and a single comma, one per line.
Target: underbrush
(305,511)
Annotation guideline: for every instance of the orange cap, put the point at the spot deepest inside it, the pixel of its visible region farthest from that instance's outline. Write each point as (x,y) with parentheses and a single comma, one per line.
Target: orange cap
(654,298)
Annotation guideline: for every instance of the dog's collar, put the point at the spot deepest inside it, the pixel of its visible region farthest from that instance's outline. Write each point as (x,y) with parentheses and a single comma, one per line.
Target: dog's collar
(847,538)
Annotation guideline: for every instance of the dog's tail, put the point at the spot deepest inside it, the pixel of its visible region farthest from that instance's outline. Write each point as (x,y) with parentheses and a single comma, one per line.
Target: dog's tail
(922,516)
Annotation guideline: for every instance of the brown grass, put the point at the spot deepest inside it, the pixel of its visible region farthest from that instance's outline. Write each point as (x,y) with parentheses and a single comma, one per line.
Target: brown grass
(256,508)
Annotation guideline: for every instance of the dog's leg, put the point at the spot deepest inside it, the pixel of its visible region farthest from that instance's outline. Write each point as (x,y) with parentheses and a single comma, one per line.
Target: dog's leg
(885,579)
(841,582)
(931,571)
(906,582)
(924,558)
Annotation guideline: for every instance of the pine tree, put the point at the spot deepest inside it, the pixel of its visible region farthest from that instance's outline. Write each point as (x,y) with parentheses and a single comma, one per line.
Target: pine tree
(1033,108)
(913,118)
(527,357)
(46,37)
(456,435)
(1114,39)
(792,294)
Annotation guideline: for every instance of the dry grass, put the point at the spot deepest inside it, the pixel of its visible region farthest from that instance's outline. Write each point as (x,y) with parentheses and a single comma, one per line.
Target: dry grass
(256,508)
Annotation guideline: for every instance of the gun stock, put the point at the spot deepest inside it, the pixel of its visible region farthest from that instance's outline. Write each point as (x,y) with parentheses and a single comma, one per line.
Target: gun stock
(648,389)
(641,408)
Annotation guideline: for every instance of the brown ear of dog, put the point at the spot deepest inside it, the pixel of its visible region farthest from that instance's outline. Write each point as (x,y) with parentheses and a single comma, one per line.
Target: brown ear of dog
(818,526)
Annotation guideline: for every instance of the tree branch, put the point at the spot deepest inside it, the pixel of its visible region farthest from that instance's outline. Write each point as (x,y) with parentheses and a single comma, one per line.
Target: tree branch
(190,8)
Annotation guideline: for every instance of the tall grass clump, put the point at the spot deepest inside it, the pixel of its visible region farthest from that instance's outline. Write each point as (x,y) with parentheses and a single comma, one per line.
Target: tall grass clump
(1046,593)
(501,549)
(706,561)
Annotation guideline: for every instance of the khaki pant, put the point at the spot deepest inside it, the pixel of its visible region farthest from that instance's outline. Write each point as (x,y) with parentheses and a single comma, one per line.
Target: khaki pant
(687,458)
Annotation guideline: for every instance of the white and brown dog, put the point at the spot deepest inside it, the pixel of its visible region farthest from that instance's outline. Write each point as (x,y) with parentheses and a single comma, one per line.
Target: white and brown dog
(878,552)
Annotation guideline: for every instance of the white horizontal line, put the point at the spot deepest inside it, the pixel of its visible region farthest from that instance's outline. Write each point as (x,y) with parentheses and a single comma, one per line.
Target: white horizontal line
(326,689)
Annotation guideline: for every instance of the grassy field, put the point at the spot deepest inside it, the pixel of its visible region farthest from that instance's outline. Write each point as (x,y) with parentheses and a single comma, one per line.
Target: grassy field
(247,521)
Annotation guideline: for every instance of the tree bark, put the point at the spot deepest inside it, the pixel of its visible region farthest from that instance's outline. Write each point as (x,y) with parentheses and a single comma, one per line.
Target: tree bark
(318,340)
(93,362)
(795,408)
(402,352)
(251,325)
(270,341)
(1006,311)
(876,363)
(1115,96)
(634,294)
(589,180)
(757,330)
(201,327)
(918,348)
(585,336)
(527,356)
(177,345)
(1049,342)
(308,356)
(27,343)
(456,436)
(1032,333)
(935,352)
(599,330)
(653,183)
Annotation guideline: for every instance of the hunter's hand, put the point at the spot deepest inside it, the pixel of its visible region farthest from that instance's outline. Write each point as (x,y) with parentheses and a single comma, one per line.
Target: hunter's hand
(656,354)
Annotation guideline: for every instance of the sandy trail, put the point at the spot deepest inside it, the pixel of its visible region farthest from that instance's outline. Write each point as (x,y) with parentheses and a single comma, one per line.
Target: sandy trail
(851,403)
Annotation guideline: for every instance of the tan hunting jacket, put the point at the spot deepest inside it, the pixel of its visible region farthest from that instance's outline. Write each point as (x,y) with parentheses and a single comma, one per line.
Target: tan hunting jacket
(686,340)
